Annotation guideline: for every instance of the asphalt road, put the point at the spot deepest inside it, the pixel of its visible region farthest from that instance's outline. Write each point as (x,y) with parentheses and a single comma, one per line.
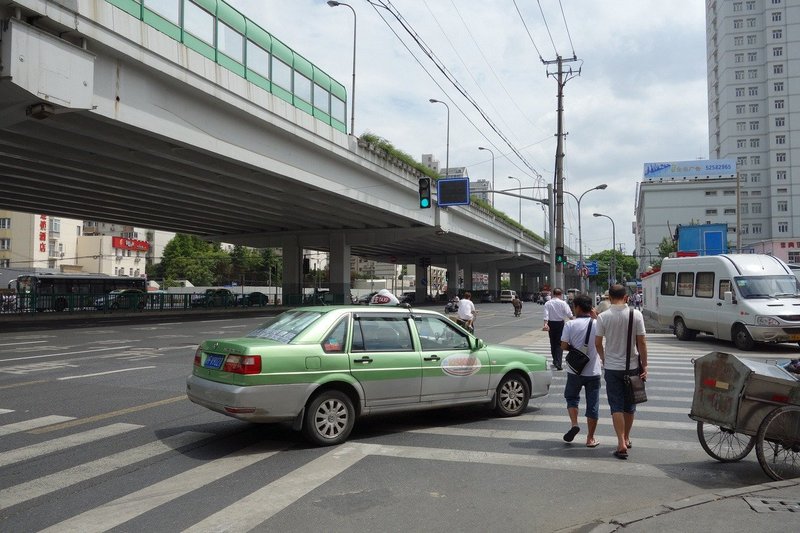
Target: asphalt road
(96,434)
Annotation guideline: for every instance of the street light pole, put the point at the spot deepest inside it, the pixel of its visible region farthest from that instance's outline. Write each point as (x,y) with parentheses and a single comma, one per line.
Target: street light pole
(447,156)
(332,3)
(580,236)
(612,278)
(520,198)
(491,152)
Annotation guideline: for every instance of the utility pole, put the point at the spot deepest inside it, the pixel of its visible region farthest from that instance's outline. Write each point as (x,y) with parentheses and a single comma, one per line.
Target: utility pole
(562,77)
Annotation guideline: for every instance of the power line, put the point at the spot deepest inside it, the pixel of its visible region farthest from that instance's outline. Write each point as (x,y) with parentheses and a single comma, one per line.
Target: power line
(546,26)
(566,27)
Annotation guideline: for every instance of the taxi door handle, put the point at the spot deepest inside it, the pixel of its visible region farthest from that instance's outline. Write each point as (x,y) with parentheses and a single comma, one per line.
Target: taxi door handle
(431,358)
(364,360)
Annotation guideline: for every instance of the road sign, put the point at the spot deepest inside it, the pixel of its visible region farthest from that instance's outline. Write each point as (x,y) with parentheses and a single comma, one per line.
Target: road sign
(593,268)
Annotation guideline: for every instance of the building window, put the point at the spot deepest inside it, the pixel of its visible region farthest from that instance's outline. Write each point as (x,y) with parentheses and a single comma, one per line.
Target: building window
(783,227)
(738,40)
(5,223)
(737,6)
(778,104)
(780,157)
(743,179)
(753,125)
(741,161)
(777,69)
(777,51)
(711,212)
(794,257)
(739,91)
(745,229)
(5,244)
(711,193)
(738,24)
(744,209)
(780,122)
(739,75)
(740,109)
(751,5)
(776,16)
(730,211)
(755,159)
(777,34)
(751,39)
(741,126)
(756,177)
(5,263)
(780,175)
(777,86)
(752,57)
(754,108)
(739,58)
(741,143)
(756,229)
(756,193)
(780,139)
(752,74)
(754,143)
(751,23)
(783,190)
(783,206)
(729,192)
(752,91)
(776,2)
(755,208)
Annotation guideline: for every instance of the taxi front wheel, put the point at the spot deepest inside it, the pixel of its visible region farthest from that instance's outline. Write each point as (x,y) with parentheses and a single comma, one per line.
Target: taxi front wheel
(513,394)
(329,418)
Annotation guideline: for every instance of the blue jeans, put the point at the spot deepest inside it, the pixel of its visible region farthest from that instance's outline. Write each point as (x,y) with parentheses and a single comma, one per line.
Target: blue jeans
(615,388)
(572,393)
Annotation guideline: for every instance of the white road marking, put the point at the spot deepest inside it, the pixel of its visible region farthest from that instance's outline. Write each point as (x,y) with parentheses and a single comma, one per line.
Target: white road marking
(36,367)
(62,443)
(119,511)
(66,478)
(638,423)
(104,373)
(4,411)
(276,496)
(33,423)
(642,408)
(18,343)
(63,353)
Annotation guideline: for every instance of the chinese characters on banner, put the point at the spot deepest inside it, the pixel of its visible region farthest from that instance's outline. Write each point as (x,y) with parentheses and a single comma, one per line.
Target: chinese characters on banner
(42,233)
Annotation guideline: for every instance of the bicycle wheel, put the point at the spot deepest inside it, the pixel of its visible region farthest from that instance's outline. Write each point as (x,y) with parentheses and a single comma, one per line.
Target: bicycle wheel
(778,443)
(722,444)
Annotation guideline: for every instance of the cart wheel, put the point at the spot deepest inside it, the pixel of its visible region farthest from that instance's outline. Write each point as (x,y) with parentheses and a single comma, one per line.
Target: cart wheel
(778,443)
(723,444)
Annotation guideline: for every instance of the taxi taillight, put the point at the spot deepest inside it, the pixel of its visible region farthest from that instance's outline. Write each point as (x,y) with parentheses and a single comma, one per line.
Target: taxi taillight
(197,354)
(242,364)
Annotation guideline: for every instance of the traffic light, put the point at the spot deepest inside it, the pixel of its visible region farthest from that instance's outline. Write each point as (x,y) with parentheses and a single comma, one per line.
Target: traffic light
(560,257)
(424,193)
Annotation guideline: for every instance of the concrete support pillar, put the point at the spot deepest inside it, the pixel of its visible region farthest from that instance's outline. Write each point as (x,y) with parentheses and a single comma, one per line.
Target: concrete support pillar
(292,272)
(452,276)
(467,268)
(494,280)
(339,268)
(420,290)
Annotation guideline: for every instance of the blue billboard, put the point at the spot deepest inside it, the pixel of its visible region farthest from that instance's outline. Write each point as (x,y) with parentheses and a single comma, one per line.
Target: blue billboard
(700,168)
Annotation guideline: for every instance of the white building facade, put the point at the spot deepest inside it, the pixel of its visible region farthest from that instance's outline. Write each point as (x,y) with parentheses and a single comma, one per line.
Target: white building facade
(753,56)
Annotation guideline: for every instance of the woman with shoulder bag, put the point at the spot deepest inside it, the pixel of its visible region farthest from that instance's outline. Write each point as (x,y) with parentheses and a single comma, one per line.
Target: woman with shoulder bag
(577,339)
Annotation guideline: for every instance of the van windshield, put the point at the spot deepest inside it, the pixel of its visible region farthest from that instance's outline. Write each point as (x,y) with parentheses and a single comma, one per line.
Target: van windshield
(784,286)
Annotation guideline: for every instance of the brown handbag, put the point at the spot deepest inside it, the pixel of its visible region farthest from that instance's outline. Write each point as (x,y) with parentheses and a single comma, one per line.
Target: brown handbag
(634,384)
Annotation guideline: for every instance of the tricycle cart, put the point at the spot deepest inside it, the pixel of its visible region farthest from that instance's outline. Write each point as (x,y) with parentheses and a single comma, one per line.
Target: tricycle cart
(740,403)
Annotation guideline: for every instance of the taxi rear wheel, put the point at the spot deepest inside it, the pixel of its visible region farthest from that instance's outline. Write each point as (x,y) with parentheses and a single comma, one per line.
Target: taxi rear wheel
(513,394)
(329,418)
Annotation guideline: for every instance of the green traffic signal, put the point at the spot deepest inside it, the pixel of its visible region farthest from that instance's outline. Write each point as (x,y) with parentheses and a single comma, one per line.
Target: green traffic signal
(424,193)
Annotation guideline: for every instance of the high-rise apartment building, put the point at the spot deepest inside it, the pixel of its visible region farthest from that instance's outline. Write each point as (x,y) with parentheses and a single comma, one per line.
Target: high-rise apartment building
(753,55)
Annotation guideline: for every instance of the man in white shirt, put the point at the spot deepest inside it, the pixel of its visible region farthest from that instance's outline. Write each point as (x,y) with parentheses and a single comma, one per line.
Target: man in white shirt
(466,312)
(556,312)
(612,325)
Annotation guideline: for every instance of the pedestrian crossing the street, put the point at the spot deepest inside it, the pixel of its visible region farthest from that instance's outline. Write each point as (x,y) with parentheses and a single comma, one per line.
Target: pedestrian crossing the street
(662,429)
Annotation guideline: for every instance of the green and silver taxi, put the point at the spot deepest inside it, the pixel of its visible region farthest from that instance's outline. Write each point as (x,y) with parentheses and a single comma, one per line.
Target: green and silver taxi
(322,367)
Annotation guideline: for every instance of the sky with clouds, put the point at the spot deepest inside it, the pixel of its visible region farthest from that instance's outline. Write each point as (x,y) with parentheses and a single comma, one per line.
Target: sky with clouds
(640,96)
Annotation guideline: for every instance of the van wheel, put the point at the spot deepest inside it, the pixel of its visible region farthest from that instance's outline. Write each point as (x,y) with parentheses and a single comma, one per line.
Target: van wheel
(742,338)
(682,332)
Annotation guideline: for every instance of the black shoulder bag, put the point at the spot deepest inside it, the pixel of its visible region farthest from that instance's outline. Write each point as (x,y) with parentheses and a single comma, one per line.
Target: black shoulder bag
(577,359)
(634,385)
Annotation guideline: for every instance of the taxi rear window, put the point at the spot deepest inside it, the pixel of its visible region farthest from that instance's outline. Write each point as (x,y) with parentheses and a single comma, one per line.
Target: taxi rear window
(286,326)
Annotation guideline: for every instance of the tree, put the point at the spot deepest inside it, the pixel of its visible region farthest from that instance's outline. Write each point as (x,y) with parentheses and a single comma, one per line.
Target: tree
(666,247)
(189,257)
(626,265)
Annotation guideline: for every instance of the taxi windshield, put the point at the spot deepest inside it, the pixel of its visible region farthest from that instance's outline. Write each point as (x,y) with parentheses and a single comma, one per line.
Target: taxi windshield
(286,326)
(783,286)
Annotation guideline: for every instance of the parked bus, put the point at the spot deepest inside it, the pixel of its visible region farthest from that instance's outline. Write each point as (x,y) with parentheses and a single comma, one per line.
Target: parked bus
(58,292)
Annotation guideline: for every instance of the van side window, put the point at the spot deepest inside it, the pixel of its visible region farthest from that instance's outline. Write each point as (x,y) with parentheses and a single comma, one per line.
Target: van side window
(724,286)
(704,285)
(668,283)
(685,283)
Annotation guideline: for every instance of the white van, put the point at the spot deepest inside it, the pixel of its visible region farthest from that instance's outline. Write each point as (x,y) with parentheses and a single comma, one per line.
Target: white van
(507,295)
(744,298)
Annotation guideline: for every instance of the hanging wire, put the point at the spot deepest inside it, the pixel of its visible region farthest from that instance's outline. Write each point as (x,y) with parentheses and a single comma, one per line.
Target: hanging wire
(528,31)
(566,26)
(547,27)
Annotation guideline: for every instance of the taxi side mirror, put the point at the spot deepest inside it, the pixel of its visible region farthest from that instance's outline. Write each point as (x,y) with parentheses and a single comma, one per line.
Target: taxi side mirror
(477,344)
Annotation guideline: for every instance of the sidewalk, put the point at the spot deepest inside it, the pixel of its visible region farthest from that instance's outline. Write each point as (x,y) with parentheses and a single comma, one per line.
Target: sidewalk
(767,507)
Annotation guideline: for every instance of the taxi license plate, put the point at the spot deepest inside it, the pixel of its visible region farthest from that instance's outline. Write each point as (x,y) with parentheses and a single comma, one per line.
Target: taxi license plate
(214,361)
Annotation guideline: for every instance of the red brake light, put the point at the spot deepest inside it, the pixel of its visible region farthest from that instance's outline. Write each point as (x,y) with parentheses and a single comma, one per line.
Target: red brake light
(242,364)
(197,353)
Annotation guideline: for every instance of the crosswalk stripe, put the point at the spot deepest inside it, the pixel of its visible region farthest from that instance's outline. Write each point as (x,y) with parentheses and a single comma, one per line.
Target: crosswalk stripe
(119,511)
(639,423)
(273,498)
(607,438)
(65,478)
(33,423)
(650,398)
(4,411)
(62,443)
(644,408)
(612,466)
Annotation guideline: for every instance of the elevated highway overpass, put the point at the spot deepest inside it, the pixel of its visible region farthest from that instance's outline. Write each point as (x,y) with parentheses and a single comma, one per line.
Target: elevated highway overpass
(108,115)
